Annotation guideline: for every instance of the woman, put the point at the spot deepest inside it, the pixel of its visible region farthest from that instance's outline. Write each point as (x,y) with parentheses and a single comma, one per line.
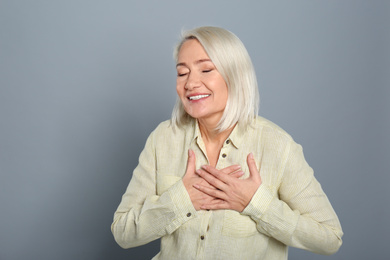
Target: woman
(218,181)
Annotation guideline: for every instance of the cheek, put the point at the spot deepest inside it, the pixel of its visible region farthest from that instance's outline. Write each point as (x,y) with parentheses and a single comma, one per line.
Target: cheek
(224,92)
(180,89)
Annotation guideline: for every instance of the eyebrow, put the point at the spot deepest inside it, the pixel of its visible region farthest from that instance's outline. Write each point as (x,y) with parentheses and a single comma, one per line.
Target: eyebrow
(197,62)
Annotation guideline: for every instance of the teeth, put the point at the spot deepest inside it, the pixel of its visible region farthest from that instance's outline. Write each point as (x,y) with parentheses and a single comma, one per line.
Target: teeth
(198,97)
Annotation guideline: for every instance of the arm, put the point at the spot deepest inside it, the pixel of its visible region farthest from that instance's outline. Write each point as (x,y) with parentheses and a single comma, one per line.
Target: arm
(143,216)
(302,215)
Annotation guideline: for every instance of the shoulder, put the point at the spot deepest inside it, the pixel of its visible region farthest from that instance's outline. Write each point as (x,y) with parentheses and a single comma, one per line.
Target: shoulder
(163,127)
(270,129)
(167,128)
(163,130)
(166,132)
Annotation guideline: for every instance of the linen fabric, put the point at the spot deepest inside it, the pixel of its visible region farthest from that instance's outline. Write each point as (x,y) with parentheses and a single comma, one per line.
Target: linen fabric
(288,209)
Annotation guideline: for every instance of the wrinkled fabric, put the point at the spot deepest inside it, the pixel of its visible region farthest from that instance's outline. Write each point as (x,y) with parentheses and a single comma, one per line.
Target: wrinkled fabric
(288,209)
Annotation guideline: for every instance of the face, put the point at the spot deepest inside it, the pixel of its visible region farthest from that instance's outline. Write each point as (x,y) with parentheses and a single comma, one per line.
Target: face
(201,88)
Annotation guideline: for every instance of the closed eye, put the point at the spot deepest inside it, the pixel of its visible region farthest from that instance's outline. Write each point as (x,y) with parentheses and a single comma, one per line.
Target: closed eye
(205,71)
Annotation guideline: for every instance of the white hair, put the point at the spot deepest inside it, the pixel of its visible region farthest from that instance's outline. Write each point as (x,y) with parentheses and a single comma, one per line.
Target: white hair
(232,61)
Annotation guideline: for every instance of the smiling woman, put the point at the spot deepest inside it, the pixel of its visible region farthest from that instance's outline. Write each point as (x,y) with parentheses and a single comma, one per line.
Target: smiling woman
(230,58)
(217,181)
(201,88)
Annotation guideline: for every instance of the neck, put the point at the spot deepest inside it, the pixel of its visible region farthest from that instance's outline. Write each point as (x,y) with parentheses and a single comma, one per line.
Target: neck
(210,135)
(213,141)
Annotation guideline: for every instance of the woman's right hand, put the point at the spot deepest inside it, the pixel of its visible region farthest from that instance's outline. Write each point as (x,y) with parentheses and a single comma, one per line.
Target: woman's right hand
(191,178)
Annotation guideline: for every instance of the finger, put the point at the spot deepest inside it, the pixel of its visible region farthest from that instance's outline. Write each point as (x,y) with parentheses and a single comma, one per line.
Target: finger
(237,174)
(254,173)
(191,162)
(211,191)
(217,174)
(215,204)
(231,169)
(212,179)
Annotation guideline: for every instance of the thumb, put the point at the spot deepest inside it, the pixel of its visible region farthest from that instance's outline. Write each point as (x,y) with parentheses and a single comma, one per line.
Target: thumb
(191,162)
(254,173)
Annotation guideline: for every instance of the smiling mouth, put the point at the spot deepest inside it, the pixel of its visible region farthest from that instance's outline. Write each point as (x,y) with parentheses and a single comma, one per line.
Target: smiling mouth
(198,97)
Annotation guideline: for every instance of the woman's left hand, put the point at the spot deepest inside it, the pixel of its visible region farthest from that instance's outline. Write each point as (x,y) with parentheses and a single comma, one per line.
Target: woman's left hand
(233,193)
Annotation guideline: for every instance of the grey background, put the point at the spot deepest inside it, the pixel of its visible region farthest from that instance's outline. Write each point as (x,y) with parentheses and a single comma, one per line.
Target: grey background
(83,83)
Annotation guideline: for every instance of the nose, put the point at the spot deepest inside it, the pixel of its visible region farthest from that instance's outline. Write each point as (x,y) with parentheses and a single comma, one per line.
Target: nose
(193,81)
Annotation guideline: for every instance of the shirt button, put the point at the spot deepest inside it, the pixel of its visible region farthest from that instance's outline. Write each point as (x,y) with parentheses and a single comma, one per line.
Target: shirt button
(224,155)
(188,214)
(202,237)
(227,141)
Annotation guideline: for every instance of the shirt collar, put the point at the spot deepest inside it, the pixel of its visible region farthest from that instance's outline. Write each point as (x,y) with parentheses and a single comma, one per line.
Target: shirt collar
(196,130)
(236,136)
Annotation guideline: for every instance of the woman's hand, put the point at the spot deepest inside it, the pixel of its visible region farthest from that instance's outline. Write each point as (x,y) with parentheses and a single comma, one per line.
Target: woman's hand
(191,179)
(229,192)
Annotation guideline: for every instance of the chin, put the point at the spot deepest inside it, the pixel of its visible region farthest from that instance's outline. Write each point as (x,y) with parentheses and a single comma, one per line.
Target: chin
(195,114)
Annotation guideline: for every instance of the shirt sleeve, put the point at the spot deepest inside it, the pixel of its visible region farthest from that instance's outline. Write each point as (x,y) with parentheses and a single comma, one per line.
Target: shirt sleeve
(143,216)
(300,215)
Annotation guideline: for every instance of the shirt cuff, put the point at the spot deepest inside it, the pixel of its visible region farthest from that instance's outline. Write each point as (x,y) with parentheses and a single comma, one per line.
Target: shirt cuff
(184,210)
(259,202)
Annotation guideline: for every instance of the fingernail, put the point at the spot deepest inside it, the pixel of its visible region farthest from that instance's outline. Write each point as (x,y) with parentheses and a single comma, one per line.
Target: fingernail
(251,156)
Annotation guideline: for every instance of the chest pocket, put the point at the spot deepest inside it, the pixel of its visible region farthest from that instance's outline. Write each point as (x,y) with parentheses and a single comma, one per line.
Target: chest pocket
(237,225)
(164,182)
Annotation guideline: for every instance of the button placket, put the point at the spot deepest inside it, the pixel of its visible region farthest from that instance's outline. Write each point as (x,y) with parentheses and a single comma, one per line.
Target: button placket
(205,225)
(222,160)
(224,148)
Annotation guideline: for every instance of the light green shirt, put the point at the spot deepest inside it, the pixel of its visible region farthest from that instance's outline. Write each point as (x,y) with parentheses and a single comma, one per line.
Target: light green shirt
(288,209)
